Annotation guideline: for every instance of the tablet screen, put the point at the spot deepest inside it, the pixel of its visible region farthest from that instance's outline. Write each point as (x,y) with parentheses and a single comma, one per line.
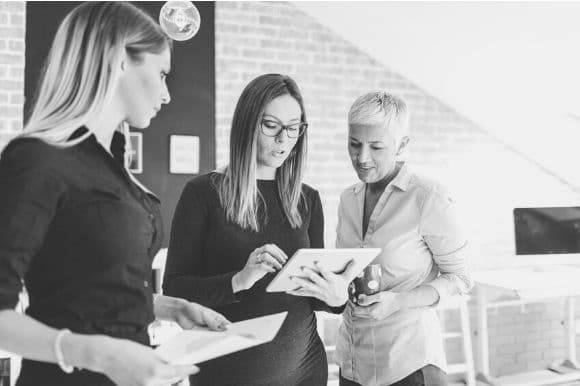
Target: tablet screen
(334,260)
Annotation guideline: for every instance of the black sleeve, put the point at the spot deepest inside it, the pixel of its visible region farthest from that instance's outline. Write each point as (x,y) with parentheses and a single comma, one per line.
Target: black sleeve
(29,196)
(185,257)
(316,234)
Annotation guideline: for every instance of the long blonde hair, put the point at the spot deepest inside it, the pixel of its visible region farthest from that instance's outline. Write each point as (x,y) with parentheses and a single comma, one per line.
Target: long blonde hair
(237,189)
(82,68)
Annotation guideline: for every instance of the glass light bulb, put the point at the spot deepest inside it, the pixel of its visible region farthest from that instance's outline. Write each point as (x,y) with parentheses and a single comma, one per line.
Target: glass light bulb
(179,19)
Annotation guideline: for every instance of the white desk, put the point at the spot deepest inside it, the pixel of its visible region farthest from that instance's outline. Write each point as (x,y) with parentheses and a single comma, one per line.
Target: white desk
(529,285)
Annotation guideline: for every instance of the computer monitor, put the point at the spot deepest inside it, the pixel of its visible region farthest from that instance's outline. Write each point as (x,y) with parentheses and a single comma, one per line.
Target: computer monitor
(547,231)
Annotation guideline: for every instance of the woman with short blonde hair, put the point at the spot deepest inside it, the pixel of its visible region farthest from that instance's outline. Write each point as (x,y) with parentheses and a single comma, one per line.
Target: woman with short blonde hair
(392,337)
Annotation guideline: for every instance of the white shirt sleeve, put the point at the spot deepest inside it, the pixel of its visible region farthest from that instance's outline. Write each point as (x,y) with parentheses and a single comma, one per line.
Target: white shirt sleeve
(441,231)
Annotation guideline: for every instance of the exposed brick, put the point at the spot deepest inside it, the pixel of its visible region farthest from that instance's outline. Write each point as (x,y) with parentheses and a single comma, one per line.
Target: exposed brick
(9,111)
(16,45)
(16,125)
(17,72)
(12,7)
(17,19)
(553,353)
(17,99)
(320,61)
(10,58)
(11,85)
(12,32)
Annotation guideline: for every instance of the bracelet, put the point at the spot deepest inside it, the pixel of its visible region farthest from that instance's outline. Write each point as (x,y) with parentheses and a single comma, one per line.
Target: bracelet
(58,351)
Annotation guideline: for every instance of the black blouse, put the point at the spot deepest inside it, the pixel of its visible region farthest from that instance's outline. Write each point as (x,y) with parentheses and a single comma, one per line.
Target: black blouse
(80,234)
(205,251)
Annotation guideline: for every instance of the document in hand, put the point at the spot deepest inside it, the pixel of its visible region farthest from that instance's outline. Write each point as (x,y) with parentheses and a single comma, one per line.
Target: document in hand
(194,346)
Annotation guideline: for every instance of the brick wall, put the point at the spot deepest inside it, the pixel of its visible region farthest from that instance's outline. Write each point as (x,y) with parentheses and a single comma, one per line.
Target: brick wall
(487,178)
(12,35)
(253,38)
(12,20)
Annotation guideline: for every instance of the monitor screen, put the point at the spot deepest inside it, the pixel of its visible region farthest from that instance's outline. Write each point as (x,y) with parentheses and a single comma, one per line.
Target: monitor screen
(547,230)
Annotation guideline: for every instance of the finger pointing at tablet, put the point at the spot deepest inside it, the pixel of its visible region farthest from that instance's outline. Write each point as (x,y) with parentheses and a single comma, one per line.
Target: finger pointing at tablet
(267,258)
(275,252)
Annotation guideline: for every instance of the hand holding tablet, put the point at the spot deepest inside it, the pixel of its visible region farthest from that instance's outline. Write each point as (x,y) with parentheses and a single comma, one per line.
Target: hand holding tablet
(334,260)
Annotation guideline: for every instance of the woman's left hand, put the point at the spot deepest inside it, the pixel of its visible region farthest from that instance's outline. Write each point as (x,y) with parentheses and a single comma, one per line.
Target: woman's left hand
(378,306)
(192,314)
(324,285)
(188,314)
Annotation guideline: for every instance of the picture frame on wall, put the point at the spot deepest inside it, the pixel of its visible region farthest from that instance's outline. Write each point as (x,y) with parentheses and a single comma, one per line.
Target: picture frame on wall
(135,157)
(183,154)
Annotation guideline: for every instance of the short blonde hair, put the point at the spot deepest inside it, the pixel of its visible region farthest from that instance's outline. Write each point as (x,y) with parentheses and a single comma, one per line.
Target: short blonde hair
(381,108)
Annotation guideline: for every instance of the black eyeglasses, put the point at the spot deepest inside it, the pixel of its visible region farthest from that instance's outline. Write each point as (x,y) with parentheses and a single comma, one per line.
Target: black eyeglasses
(272,127)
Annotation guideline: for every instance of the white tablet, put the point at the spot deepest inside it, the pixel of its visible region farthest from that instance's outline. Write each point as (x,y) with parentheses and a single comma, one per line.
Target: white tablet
(333,259)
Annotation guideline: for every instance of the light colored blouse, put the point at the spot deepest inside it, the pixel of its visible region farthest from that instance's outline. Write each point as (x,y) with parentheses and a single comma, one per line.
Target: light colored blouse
(414,224)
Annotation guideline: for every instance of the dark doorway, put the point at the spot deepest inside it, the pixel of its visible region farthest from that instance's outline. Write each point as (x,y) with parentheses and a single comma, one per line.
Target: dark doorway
(191,84)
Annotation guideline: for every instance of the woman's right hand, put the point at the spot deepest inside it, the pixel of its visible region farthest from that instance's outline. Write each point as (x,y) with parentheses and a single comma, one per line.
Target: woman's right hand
(132,364)
(267,258)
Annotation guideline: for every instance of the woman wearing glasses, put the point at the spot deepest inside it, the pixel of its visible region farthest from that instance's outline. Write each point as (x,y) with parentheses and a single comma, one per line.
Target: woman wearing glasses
(233,229)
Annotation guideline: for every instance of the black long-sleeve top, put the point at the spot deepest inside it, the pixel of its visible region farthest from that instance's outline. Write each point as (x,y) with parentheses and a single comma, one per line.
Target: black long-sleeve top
(205,251)
(82,236)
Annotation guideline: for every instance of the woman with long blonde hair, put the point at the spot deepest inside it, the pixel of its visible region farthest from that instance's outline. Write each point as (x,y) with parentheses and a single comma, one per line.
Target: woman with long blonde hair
(234,228)
(77,228)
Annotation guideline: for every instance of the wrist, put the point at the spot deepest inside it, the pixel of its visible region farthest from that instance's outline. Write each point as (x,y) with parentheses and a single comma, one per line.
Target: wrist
(85,351)
(168,307)
(239,282)
(402,300)
(339,301)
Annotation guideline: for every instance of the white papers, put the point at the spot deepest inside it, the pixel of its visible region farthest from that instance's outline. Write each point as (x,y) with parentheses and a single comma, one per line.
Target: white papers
(199,345)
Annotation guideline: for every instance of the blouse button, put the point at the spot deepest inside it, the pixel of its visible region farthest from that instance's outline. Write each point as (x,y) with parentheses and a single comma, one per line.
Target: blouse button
(151,216)
(145,284)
